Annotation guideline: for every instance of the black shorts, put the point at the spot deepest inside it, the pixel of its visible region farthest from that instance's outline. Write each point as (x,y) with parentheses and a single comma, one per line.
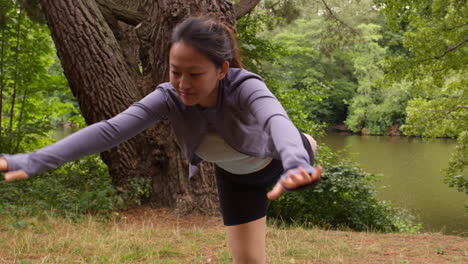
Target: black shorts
(243,197)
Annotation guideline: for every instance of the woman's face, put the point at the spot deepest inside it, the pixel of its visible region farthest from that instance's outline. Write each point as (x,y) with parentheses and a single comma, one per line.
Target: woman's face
(194,76)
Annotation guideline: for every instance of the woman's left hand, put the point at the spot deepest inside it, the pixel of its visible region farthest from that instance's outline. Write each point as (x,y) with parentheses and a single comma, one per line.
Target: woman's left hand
(294,180)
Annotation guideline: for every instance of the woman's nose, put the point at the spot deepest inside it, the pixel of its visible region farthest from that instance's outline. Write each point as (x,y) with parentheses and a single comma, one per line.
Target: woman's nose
(184,82)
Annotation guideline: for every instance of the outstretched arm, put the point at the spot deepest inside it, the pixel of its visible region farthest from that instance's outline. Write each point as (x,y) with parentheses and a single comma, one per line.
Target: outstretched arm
(92,139)
(256,97)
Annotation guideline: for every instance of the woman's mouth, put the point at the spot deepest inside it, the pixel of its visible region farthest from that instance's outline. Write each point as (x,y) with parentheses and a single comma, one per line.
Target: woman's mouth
(186,94)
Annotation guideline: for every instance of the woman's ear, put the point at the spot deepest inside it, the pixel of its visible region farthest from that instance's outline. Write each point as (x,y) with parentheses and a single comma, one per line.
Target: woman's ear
(223,71)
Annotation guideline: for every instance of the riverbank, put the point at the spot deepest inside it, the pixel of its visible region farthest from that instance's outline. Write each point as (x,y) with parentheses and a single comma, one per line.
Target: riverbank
(394,130)
(145,235)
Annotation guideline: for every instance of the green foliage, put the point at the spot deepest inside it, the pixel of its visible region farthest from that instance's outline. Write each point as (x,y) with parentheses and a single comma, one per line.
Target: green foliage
(259,54)
(326,80)
(341,22)
(255,48)
(440,111)
(29,101)
(431,118)
(137,191)
(368,58)
(34,99)
(344,197)
(455,176)
(378,105)
(338,53)
(300,67)
(294,101)
(78,187)
(435,36)
(377,112)
(286,10)
(435,62)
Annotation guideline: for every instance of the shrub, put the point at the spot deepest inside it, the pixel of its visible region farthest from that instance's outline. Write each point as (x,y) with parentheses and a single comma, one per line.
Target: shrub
(137,191)
(78,187)
(344,197)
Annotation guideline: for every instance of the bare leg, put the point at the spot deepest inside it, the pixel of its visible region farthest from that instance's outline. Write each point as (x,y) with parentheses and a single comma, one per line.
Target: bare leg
(312,141)
(247,242)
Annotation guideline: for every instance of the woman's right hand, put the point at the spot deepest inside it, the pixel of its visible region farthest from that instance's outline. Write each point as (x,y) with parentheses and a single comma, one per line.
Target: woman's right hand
(12,175)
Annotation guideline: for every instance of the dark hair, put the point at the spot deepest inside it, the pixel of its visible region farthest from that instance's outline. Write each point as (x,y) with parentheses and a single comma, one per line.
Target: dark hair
(213,39)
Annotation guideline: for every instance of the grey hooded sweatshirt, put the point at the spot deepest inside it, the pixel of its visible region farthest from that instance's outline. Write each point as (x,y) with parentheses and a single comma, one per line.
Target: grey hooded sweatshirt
(247,116)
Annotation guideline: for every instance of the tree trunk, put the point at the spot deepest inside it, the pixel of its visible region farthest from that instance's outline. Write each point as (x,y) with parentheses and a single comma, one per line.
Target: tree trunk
(2,82)
(111,64)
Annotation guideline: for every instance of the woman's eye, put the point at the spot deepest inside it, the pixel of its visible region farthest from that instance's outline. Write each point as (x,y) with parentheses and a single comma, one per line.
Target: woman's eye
(175,73)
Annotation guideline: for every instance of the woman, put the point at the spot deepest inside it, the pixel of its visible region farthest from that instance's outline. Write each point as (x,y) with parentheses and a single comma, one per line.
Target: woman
(220,113)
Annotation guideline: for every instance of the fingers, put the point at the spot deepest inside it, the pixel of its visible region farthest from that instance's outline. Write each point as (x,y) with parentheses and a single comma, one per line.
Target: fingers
(275,192)
(16,175)
(317,173)
(294,180)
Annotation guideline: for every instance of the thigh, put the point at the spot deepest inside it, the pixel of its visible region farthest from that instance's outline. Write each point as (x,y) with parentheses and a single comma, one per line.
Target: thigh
(312,142)
(310,146)
(240,203)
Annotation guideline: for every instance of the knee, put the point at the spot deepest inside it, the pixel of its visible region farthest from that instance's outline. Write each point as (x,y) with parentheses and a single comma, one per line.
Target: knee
(249,255)
(246,259)
(312,141)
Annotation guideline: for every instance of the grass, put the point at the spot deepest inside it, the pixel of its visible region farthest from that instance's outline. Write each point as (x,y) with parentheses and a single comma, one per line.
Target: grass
(157,236)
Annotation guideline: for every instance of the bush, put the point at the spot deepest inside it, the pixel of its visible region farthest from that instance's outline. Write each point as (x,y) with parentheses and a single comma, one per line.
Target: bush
(78,187)
(137,191)
(345,197)
(379,110)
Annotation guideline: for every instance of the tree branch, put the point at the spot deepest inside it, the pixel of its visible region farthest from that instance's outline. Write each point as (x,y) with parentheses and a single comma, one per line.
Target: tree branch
(330,12)
(244,7)
(458,107)
(337,19)
(456,27)
(452,49)
(446,51)
(120,13)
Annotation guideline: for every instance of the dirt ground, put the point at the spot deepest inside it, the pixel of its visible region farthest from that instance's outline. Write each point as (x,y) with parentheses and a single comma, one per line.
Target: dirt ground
(371,247)
(145,235)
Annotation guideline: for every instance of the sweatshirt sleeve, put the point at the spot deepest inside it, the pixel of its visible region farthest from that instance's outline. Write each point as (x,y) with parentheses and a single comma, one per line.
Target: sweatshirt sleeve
(95,138)
(258,99)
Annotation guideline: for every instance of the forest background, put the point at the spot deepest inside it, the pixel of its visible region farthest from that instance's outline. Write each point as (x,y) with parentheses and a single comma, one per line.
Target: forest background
(379,67)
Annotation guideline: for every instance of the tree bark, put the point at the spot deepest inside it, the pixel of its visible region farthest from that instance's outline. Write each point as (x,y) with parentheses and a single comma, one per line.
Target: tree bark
(110,63)
(244,7)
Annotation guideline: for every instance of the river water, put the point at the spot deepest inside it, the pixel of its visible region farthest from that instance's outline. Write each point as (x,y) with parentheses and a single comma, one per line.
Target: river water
(412,176)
